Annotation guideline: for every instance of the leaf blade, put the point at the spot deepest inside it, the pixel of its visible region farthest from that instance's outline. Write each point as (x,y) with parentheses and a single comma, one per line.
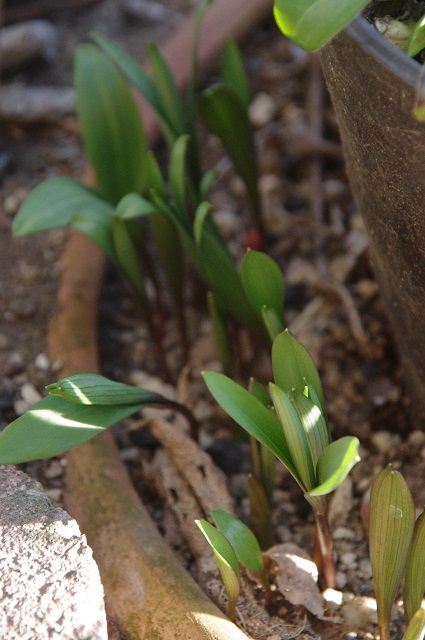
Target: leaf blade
(335,463)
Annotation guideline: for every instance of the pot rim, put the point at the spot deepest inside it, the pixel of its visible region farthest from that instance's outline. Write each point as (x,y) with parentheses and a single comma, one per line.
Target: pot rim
(395,60)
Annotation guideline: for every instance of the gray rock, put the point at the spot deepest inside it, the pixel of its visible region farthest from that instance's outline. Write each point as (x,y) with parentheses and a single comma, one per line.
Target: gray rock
(49,583)
(26,105)
(27,41)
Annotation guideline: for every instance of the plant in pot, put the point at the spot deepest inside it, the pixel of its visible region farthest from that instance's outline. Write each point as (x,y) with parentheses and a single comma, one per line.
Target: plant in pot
(374,89)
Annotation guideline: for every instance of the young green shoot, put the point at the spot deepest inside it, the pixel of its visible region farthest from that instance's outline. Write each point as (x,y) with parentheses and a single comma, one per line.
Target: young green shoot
(392,518)
(414,580)
(227,563)
(296,432)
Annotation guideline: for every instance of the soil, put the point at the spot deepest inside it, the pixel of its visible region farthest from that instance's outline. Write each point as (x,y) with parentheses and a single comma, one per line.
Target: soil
(332,305)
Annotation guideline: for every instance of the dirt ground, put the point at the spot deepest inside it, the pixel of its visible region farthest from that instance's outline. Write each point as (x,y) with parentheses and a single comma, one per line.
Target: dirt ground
(332,302)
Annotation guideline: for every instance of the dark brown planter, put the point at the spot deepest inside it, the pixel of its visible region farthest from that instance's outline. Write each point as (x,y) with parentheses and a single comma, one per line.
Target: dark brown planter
(372,85)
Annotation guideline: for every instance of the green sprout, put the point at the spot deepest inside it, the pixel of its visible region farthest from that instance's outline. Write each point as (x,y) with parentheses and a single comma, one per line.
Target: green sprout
(233,543)
(295,430)
(397,551)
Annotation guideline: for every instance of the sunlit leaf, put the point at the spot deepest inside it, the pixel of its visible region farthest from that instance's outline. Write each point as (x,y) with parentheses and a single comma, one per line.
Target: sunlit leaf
(335,463)
(416,628)
(242,539)
(392,518)
(53,425)
(414,580)
(417,38)
(226,560)
(93,389)
(53,203)
(250,414)
(295,437)
(314,424)
(293,366)
(312,23)
(110,123)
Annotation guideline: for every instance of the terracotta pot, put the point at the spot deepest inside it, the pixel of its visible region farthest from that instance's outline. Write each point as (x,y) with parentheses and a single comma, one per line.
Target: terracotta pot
(372,85)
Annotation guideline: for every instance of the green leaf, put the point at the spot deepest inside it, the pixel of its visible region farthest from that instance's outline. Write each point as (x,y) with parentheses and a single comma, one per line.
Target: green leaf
(233,72)
(416,628)
(136,75)
(417,38)
(93,389)
(242,539)
(414,580)
(226,560)
(127,258)
(170,100)
(293,367)
(272,322)
(392,518)
(295,437)
(177,173)
(219,271)
(263,282)
(335,463)
(152,178)
(53,203)
(227,118)
(250,414)
(312,23)
(259,391)
(133,206)
(170,254)
(98,228)
(220,336)
(314,424)
(110,124)
(53,425)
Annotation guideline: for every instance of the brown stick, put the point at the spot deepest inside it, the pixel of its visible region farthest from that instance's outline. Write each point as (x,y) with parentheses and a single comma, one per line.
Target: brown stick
(147,593)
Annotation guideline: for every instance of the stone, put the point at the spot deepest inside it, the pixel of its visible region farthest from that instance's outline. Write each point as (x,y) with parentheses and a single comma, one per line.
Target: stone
(24,42)
(29,104)
(50,587)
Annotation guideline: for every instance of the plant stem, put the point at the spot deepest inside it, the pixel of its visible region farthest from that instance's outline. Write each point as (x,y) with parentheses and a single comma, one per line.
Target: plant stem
(188,414)
(323,551)
(384,629)
(231,608)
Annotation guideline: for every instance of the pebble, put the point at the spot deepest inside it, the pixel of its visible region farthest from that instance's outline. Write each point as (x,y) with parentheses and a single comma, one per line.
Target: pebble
(30,394)
(143,379)
(340,579)
(14,364)
(262,109)
(416,438)
(130,454)
(385,442)
(42,362)
(227,221)
(144,10)
(20,406)
(349,559)
(365,568)
(54,470)
(342,533)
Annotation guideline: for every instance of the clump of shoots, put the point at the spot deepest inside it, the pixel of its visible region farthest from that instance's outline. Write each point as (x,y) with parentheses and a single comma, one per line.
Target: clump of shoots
(397,551)
(233,544)
(295,430)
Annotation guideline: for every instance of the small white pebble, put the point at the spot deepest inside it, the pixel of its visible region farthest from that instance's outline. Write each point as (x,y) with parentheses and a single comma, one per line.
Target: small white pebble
(385,441)
(30,394)
(416,438)
(42,362)
(20,406)
(340,579)
(349,559)
(342,533)
(333,596)
(54,470)
(262,109)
